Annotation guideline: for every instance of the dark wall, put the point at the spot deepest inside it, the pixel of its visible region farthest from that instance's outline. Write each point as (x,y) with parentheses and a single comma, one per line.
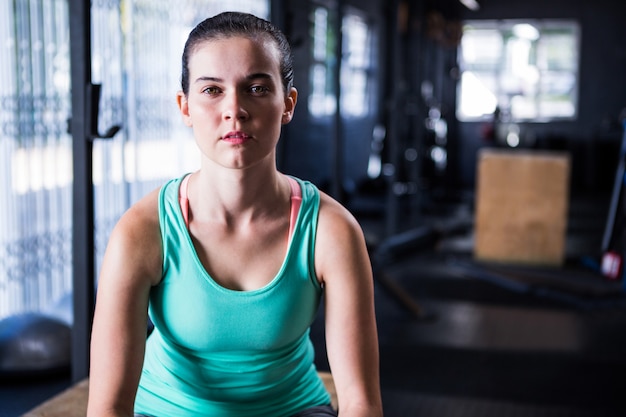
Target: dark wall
(592,139)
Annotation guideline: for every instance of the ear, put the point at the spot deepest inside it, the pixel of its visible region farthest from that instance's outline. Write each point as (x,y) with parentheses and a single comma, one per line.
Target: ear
(290,105)
(183,106)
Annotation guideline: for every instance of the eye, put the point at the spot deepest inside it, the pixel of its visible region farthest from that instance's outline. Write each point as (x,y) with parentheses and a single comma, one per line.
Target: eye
(259,90)
(211,91)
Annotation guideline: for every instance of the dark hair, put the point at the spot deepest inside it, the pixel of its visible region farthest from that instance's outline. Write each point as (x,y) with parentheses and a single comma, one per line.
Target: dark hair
(229,24)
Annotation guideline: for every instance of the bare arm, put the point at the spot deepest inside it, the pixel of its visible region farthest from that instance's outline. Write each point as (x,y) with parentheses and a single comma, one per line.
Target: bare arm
(343,265)
(132,264)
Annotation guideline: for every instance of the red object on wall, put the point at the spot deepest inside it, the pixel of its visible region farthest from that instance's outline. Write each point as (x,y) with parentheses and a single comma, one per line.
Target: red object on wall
(612,265)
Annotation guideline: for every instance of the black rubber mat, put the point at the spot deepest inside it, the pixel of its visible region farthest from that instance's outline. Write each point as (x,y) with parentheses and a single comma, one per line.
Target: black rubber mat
(407,404)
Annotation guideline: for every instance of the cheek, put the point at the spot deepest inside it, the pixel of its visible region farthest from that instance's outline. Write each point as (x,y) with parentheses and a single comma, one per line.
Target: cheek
(200,111)
(278,112)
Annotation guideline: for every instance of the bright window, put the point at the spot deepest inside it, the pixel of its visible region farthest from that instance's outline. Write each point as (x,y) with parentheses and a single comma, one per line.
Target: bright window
(356,64)
(321,77)
(527,70)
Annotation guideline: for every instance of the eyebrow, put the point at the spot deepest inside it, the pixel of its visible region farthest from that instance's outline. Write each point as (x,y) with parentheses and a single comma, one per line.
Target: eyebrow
(254,76)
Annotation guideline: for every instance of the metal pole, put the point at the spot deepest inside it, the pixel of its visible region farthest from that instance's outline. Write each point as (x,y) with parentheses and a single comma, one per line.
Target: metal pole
(615,195)
(82,200)
(338,144)
(393,87)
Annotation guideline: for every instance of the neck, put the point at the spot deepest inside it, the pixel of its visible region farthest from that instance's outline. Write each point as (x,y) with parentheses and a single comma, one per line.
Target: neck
(237,195)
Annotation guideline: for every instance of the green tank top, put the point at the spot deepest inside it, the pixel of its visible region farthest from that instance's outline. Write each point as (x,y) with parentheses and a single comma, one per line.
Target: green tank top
(219,352)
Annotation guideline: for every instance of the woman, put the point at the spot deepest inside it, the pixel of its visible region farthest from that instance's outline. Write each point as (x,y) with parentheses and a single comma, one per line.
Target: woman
(232,260)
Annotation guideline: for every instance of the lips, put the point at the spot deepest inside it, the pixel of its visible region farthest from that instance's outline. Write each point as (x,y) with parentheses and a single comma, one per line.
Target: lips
(236,137)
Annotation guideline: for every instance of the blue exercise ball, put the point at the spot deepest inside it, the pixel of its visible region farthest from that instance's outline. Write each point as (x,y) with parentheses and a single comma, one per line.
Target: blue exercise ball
(33,343)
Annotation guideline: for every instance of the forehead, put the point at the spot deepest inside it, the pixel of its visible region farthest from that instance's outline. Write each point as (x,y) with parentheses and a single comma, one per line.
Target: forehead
(235,53)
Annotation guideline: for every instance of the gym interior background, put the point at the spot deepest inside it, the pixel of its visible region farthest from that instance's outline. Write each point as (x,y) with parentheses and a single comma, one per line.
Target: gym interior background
(399,101)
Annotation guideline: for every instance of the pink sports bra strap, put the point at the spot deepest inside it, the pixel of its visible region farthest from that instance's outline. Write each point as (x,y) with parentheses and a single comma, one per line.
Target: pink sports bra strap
(184,199)
(296,201)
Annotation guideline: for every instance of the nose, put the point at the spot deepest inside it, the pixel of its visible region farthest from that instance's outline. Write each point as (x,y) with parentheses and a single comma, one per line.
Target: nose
(234,107)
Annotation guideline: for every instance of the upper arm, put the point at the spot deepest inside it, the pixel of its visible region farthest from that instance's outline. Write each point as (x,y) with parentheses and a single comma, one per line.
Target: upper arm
(131,265)
(343,265)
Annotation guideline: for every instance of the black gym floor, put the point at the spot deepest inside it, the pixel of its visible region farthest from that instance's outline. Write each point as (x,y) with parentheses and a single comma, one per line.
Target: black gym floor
(458,338)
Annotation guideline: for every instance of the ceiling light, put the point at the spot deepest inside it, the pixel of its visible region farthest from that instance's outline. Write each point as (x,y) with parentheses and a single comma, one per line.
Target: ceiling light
(471,4)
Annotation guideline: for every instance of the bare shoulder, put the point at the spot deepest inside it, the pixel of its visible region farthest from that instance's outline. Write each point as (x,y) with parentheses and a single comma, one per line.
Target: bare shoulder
(334,218)
(340,244)
(135,243)
(143,214)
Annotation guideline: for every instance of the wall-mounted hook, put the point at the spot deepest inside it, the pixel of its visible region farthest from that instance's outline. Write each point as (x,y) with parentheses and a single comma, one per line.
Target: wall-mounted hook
(93,99)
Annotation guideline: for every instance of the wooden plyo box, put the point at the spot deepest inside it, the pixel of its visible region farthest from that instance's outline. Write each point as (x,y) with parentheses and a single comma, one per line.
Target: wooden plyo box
(522,200)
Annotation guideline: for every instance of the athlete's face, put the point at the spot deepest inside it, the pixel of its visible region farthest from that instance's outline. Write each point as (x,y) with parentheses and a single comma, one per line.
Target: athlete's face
(236,103)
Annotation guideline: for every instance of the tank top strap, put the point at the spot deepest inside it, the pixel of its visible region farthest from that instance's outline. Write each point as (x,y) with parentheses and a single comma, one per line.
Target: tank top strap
(296,201)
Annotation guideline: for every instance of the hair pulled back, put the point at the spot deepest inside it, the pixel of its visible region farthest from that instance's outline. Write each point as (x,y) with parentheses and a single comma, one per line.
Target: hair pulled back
(230,24)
